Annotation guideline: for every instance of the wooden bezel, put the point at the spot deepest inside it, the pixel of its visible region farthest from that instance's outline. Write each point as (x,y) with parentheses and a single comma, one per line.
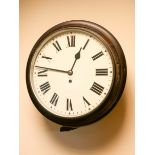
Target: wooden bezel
(116,91)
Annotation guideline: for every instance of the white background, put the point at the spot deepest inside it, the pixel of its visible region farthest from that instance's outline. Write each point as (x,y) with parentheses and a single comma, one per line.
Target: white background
(145,76)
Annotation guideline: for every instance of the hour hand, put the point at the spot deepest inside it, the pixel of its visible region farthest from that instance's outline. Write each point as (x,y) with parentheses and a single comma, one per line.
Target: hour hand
(52,69)
(77,55)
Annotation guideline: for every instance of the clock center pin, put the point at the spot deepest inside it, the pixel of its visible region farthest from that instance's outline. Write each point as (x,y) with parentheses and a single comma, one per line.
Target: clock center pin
(70,72)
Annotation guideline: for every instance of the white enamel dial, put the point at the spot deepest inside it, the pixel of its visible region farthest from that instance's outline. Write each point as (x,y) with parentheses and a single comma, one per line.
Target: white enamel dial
(71,72)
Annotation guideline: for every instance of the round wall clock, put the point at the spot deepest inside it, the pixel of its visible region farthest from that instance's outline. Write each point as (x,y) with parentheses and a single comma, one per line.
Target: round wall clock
(76,73)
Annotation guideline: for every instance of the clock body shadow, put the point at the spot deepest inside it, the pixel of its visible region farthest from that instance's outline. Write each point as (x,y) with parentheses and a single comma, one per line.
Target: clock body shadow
(98,134)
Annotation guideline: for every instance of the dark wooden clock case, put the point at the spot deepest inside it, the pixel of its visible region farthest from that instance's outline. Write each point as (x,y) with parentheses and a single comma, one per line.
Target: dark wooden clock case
(120,71)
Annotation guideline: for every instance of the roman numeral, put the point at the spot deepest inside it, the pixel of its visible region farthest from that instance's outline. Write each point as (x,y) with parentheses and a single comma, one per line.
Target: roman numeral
(96,88)
(57,46)
(54,99)
(46,57)
(85,44)
(71,41)
(97,55)
(45,87)
(85,101)
(69,105)
(100,72)
(43,72)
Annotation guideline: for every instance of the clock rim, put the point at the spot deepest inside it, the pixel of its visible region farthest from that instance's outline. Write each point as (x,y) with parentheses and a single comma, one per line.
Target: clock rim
(117,57)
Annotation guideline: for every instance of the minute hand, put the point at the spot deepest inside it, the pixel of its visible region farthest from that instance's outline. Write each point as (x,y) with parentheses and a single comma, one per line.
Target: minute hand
(56,70)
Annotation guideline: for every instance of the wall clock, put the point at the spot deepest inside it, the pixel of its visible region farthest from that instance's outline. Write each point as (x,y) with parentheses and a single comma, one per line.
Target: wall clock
(76,73)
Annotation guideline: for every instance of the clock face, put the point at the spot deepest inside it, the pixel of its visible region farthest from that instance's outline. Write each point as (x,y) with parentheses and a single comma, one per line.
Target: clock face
(71,72)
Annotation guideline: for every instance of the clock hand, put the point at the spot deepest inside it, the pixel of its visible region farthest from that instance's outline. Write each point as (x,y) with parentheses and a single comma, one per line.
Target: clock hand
(51,69)
(77,56)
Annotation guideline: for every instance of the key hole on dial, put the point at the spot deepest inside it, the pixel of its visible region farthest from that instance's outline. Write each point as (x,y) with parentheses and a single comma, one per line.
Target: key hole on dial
(70,81)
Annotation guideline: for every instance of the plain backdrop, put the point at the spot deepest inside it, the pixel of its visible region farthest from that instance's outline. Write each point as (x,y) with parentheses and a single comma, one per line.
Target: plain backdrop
(114,134)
